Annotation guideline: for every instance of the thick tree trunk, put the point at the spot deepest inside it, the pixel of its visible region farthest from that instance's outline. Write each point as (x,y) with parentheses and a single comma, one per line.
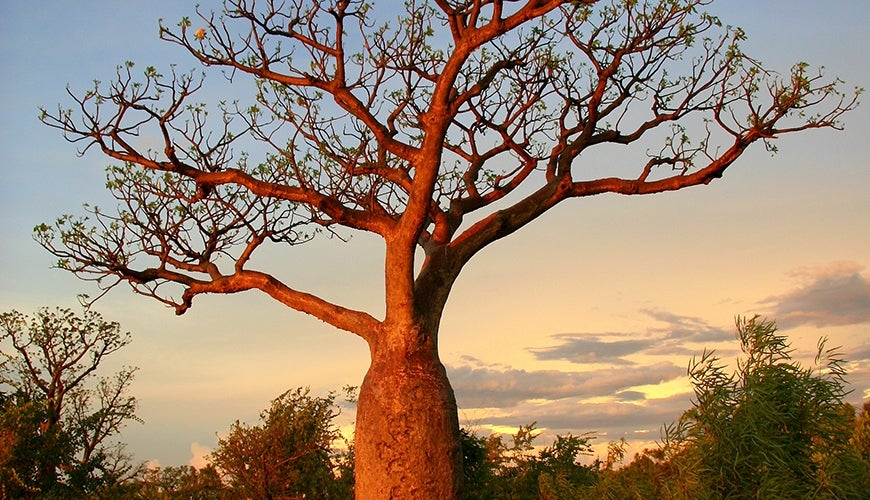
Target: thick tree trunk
(407,432)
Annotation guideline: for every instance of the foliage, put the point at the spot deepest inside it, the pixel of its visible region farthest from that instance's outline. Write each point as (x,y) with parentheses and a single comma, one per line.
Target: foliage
(769,422)
(56,422)
(516,470)
(860,441)
(771,429)
(288,454)
(32,452)
(480,462)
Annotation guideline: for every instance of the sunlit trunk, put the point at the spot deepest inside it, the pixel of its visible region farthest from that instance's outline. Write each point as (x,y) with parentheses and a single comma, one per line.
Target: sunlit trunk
(407,432)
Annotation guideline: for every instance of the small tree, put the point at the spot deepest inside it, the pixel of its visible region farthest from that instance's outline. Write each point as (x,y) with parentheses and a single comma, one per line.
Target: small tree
(56,424)
(289,454)
(771,429)
(440,129)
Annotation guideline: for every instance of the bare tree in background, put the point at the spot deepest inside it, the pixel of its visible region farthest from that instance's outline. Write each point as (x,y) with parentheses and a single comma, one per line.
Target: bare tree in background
(441,129)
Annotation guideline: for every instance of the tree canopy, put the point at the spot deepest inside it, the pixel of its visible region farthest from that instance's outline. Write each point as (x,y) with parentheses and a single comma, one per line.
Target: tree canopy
(425,125)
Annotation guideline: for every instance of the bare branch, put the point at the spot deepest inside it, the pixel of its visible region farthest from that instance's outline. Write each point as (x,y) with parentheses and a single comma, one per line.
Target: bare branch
(406,129)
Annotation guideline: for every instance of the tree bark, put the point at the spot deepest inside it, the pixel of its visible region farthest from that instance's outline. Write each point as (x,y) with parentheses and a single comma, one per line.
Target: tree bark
(407,433)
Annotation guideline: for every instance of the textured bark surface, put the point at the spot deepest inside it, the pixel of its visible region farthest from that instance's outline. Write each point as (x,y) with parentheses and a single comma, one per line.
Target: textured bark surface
(407,431)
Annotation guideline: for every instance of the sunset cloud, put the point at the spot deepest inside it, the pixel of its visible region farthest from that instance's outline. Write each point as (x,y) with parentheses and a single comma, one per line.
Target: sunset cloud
(677,328)
(590,348)
(833,295)
(611,419)
(478,385)
(859,353)
(670,334)
(199,455)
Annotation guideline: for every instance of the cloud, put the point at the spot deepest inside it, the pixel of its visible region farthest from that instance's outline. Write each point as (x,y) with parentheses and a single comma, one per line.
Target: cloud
(681,329)
(861,353)
(497,386)
(200,455)
(858,381)
(590,348)
(631,396)
(833,295)
(857,373)
(609,420)
(670,336)
(605,401)
(602,401)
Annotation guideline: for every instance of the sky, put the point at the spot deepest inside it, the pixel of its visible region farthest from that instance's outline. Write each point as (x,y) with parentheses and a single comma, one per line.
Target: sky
(583,321)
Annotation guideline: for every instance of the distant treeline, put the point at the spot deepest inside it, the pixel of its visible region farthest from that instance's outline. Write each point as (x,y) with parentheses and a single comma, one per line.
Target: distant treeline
(770,429)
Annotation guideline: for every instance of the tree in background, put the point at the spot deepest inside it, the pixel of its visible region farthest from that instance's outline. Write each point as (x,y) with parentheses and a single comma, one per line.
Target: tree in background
(441,129)
(56,421)
(290,454)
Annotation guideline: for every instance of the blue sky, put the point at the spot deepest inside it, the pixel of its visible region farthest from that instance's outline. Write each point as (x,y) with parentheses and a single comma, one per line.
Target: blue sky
(584,321)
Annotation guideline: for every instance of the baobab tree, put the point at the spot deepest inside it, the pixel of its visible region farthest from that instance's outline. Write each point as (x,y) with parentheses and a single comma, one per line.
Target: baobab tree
(440,129)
